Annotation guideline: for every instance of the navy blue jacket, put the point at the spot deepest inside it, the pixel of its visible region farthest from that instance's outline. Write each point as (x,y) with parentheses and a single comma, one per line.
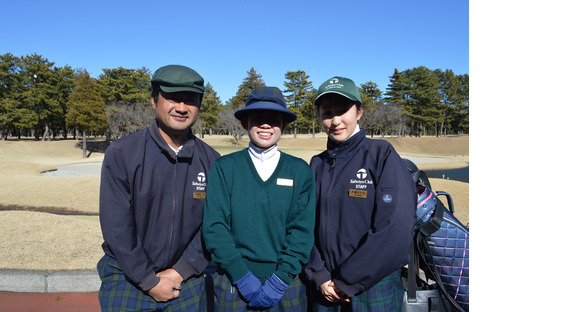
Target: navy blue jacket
(151,205)
(366,203)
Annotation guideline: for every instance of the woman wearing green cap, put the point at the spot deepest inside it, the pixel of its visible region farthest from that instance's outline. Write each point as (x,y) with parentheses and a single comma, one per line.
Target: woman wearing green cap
(365,211)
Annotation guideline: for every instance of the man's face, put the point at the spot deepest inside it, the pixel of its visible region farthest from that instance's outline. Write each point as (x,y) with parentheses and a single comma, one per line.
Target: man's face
(176,112)
(264,127)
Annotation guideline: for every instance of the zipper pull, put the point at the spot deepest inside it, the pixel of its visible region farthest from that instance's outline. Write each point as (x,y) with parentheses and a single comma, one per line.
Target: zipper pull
(333,163)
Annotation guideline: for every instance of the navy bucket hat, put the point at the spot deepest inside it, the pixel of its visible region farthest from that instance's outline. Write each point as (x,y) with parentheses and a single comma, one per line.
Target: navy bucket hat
(266,98)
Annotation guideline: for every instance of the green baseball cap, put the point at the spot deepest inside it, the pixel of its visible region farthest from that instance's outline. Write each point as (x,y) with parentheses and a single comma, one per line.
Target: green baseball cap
(338,85)
(177,78)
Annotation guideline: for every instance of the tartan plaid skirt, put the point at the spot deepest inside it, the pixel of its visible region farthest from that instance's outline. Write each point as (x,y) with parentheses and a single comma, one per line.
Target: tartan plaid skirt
(227,298)
(386,295)
(118,294)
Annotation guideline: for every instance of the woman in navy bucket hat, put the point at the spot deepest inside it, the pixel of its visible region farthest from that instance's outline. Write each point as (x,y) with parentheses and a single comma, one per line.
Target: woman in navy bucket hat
(258,219)
(365,211)
(266,98)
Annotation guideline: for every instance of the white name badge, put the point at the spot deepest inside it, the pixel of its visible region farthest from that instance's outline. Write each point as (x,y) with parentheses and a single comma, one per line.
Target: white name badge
(285,182)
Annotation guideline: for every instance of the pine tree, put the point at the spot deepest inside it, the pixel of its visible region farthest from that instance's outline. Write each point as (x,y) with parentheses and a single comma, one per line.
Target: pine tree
(248,84)
(298,86)
(86,108)
(209,109)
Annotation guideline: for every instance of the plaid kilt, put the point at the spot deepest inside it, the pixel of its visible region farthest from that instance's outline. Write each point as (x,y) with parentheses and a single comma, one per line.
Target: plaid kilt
(386,295)
(228,299)
(118,294)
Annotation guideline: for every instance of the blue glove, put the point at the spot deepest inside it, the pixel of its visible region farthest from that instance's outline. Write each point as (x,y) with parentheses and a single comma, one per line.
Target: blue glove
(249,286)
(271,293)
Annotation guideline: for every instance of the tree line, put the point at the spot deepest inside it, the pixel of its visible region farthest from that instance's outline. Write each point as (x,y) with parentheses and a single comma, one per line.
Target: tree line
(45,101)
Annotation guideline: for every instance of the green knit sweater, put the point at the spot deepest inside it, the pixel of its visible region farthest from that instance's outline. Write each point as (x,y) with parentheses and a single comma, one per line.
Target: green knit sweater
(259,226)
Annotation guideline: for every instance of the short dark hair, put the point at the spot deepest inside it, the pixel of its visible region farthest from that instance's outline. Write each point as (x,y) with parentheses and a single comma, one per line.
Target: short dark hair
(155,89)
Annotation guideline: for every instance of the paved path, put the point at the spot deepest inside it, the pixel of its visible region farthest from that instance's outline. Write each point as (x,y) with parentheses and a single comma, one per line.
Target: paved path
(49,302)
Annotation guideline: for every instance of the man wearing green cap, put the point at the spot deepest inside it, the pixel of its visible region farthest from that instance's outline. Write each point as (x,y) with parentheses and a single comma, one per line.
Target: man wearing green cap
(153,186)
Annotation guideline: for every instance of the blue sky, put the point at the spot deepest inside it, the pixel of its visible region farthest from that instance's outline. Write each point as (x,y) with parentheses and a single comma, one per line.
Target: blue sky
(222,40)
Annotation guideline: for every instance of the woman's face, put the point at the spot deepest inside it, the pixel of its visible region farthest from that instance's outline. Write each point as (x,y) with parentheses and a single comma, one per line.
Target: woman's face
(339,116)
(264,127)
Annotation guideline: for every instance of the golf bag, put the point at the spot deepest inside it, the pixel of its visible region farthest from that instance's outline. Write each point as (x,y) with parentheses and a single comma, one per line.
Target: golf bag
(441,250)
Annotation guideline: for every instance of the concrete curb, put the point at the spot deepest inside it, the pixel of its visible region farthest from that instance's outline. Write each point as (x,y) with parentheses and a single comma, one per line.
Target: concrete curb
(49,281)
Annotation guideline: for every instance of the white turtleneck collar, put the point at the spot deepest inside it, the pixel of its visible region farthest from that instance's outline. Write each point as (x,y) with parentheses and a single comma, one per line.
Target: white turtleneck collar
(265,161)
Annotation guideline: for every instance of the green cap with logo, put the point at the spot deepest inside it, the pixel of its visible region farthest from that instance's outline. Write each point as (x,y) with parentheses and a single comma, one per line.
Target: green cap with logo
(338,85)
(177,78)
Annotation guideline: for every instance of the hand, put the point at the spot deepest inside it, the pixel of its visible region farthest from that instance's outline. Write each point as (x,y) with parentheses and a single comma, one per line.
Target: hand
(333,293)
(165,290)
(271,293)
(249,286)
(171,274)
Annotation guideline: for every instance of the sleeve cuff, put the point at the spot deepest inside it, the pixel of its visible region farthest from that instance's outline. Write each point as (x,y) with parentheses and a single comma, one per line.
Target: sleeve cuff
(149,282)
(321,277)
(286,277)
(184,269)
(349,290)
(236,270)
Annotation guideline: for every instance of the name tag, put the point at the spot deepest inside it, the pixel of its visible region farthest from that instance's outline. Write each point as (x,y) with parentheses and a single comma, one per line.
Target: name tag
(285,182)
(199,195)
(357,193)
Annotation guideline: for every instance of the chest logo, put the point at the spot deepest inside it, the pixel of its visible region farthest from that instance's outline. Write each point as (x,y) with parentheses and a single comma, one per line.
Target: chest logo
(387,198)
(199,186)
(361,182)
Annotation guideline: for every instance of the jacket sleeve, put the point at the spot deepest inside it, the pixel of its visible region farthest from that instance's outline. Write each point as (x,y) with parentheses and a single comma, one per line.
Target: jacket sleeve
(193,260)
(216,229)
(299,230)
(118,223)
(315,270)
(385,248)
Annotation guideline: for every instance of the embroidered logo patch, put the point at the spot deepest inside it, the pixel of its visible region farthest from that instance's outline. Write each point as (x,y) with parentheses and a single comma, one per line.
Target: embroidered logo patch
(199,186)
(387,198)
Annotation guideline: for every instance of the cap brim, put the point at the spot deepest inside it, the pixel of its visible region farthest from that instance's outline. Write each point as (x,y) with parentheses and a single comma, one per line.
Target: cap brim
(169,89)
(346,95)
(288,115)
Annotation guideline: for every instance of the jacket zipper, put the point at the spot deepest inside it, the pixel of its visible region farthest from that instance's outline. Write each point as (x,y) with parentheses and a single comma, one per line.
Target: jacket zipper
(172,220)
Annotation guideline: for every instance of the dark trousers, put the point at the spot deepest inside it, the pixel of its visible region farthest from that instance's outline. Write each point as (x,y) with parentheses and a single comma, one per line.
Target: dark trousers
(118,294)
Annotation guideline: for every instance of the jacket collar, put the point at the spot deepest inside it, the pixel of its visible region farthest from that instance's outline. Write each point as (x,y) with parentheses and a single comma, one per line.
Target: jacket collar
(185,152)
(333,148)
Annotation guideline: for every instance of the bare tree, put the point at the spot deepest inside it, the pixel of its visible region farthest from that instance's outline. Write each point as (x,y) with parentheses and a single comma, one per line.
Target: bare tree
(230,125)
(125,119)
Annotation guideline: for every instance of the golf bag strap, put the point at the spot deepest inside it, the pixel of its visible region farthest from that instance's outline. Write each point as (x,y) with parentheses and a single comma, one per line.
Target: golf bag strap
(434,223)
(412,276)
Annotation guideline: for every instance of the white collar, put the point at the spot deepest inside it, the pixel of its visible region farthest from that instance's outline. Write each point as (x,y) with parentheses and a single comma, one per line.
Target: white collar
(356,130)
(176,150)
(261,154)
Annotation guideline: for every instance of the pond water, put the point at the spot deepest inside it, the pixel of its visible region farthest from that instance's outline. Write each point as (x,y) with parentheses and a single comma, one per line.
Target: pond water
(75,170)
(94,169)
(460,174)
